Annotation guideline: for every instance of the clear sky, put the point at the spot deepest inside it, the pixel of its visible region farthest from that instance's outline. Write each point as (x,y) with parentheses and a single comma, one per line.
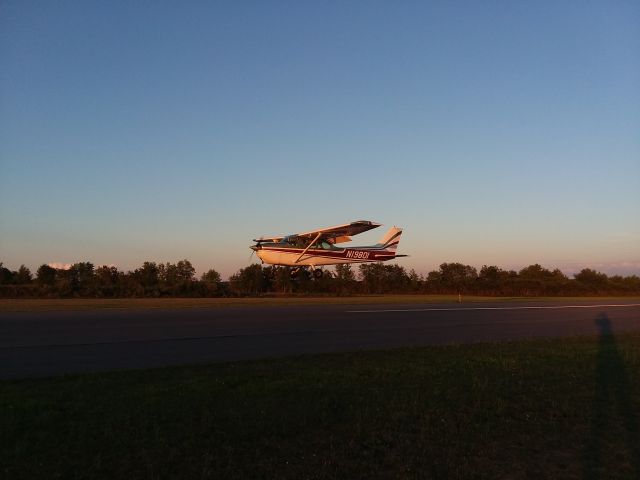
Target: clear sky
(503,133)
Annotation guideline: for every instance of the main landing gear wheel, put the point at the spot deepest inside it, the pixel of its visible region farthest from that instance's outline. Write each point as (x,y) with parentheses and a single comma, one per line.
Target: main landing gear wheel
(317,273)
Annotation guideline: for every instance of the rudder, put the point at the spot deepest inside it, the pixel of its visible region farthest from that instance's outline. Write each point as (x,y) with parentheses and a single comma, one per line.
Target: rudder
(390,239)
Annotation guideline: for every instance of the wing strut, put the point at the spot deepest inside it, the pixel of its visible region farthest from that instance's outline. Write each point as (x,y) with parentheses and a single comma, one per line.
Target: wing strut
(308,246)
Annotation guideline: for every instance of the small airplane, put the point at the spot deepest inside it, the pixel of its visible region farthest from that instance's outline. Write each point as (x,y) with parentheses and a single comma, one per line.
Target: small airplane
(308,250)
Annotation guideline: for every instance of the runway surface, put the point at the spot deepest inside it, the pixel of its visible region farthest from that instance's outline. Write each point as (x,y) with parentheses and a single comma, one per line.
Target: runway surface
(53,343)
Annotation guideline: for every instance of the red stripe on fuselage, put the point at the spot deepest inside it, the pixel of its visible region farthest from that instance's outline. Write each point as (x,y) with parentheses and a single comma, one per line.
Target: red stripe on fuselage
(347,253)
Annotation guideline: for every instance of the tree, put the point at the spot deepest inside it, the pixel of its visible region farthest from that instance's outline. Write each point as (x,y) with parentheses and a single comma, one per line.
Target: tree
(168,274)
(372,277)
(249,280)
(211,282)
(147,277)
(82,276)
(434,282)
(23,277)
(185,271)
(492,279)
(107,279)
(381,278)
(537,280)
(46,275)
(592,279)
(211,276)
(65,285)
(415,281)
(395,279)
(177,279)
(457,277)
(345,273)
(280,277)
(6,276)
(535,272)
(345,279)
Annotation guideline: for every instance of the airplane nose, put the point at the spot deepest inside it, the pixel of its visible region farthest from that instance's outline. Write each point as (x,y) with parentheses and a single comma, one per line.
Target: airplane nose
(255,248)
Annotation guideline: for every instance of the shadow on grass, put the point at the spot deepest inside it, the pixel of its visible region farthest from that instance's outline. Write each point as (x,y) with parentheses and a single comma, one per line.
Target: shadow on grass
(613,394)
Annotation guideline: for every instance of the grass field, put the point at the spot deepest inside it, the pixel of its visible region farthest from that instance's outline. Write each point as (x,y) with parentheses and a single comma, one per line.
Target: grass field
(562,408)
(34,305)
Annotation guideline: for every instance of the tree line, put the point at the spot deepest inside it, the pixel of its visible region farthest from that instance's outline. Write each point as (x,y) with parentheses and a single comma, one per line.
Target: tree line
(83,279)
(153,279)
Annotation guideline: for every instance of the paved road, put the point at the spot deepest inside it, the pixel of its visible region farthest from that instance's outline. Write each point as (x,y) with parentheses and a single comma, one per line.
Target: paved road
(52,343)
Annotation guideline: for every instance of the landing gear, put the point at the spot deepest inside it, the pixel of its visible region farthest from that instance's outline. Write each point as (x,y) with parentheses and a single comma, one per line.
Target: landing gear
(306,272)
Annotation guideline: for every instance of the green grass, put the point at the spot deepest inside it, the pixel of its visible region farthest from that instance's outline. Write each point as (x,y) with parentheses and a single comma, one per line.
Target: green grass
(562,408)
(34,305)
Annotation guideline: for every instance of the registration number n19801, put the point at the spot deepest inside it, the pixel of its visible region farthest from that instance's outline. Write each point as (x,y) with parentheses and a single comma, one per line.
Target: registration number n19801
(357,254)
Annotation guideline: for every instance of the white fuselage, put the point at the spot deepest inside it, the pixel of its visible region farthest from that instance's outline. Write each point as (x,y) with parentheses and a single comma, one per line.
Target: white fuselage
(322,257)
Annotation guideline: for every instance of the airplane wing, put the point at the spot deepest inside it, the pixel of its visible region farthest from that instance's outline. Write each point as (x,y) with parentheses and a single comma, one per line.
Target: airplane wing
(341,233)
(337,234)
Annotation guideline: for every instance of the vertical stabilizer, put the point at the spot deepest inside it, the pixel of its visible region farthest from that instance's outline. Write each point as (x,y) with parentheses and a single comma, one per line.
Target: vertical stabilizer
(390,239)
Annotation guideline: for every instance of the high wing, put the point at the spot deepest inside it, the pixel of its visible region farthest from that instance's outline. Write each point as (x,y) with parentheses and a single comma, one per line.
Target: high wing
(341,233)
(337,234)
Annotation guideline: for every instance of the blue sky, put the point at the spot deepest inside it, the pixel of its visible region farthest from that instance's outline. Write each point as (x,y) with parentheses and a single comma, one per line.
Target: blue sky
(503,133)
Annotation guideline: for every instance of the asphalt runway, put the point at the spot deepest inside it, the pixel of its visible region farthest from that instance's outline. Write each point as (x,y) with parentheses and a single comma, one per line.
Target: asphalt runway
(54,343)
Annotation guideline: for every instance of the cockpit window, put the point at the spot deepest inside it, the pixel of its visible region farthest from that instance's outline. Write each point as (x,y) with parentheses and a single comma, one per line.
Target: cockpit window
(295,241)
(323,245)
(299,242)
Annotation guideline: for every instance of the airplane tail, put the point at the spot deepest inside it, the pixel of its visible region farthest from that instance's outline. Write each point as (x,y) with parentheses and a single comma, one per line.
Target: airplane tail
(390,239)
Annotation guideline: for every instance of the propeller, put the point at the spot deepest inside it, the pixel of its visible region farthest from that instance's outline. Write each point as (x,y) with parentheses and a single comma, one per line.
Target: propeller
(254,249)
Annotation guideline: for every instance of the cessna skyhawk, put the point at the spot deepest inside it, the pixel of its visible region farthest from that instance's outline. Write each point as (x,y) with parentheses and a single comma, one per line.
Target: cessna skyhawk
(318,247)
